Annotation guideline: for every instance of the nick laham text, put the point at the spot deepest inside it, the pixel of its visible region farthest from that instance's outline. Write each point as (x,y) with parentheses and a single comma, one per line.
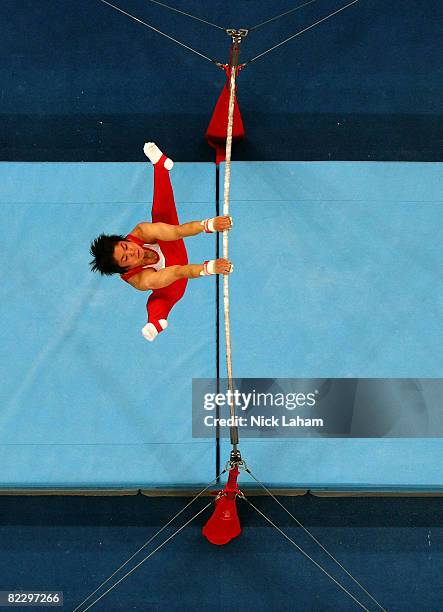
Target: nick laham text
(262,421)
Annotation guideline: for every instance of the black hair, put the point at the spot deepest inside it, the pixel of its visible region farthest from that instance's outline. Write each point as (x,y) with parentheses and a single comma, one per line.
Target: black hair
(102,250)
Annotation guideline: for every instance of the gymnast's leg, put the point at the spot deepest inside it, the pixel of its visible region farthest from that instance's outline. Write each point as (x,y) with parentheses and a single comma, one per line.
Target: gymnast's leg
(163,204)
(161,301)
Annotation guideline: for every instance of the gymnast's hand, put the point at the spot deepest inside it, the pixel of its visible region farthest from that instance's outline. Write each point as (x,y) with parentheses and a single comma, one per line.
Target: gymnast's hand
(222,266)
(217,224)
(222,223)
(216,266)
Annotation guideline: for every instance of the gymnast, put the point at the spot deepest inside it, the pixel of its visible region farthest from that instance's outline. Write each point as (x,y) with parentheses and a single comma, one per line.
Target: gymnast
(153,255)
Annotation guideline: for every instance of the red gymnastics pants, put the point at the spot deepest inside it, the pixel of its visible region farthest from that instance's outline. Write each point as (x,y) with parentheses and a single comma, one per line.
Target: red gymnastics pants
(161,301)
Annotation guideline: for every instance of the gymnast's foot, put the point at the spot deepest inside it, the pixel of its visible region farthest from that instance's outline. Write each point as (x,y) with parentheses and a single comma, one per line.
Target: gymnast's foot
(154,155)
(150,332)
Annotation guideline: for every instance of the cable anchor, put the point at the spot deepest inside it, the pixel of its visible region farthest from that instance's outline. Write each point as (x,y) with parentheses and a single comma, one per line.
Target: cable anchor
(237,35)
(235,460)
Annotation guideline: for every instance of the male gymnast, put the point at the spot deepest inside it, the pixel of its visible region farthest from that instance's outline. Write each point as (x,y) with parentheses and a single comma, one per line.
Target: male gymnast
(153,255)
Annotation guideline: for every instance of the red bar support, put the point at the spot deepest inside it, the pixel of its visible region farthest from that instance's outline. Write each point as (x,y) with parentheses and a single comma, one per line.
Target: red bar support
(224,524)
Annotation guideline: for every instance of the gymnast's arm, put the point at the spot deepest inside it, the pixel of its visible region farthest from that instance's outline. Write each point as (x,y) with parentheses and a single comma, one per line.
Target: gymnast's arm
(150,279)
(151,232)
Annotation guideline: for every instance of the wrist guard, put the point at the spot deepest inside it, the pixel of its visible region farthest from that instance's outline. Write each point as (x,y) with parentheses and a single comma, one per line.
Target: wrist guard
(208,225)
(208,268)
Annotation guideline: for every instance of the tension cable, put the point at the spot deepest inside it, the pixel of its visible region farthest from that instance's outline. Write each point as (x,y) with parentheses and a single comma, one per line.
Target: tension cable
(158,31)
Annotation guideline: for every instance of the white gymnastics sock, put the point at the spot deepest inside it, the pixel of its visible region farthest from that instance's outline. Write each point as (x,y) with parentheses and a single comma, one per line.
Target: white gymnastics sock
(149,331)
(154,154)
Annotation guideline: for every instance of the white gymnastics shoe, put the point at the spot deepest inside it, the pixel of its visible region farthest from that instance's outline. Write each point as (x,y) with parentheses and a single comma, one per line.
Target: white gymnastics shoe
(149,331)
(154,154)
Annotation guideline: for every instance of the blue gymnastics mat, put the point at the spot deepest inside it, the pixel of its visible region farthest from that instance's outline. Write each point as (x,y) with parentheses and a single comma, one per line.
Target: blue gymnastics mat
(86,401)
(342,264)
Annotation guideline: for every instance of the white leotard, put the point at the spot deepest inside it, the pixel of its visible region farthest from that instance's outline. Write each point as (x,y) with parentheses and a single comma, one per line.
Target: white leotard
(161,262)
